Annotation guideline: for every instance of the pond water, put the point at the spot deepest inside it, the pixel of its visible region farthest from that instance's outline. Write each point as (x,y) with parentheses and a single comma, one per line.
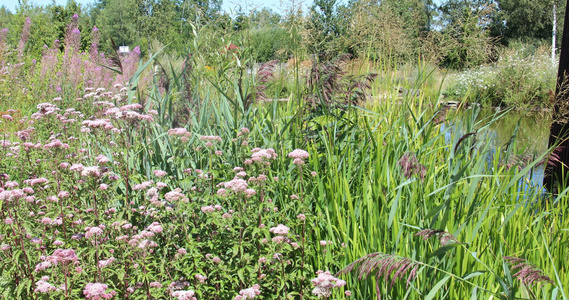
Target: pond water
(531,138)
(532,133)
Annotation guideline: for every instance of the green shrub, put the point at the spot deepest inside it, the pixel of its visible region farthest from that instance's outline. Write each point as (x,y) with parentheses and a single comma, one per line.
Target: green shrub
(520,77)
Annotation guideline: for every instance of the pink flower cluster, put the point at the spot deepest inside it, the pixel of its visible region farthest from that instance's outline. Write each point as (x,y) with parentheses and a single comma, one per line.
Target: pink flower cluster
(298,153)
(94,171)
(249,293)
(11,195)
(236,185)
(97,291)
(63,256)
(36,181)
(126,112)
(155,227)
(98,123)
(102,159)
(214,138)
(184,295)
(324,283)
(107,262)
(263,156)
(280,230)
(159,173)
(142,186)
(182,132)
(93,231)
(299,156)
(176,195)
(42,286)
(201,278)
(207,209)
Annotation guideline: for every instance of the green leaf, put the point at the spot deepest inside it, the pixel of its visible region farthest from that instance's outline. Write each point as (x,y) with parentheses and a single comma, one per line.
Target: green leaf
(442,250)
(473,274)
(474,293)
(437,287)
(396,201)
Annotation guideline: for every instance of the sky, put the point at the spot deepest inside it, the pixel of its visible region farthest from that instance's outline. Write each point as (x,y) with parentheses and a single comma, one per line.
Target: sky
(228,5)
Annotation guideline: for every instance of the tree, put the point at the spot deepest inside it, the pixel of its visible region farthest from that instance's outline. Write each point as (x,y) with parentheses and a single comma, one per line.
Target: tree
(157,20)
(5,16)
(415,14)
(117,19)
(464,35)
(527,20)
(62,15)
(555,176)
(264,17)
(199,11)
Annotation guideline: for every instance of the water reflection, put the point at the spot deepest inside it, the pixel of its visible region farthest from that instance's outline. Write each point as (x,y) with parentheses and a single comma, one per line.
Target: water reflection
(531,132)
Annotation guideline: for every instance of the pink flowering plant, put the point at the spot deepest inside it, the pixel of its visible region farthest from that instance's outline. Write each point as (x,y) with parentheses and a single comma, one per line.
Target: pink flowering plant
(100,199)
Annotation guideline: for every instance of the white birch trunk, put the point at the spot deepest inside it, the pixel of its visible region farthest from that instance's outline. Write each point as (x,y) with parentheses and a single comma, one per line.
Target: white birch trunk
(554,33)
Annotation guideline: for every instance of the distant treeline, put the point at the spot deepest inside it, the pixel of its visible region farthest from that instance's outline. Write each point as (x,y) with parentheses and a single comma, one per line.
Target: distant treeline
(452,33)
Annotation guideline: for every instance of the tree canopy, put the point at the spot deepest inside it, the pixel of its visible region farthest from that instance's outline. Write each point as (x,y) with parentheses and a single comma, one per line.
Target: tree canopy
(454,33)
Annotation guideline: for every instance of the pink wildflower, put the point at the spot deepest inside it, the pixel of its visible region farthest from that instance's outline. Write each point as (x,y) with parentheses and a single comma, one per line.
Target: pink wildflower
(236,185)
(93,231)
(211,138)
(184,295)
(251,292)
(280,229)
(102,159)
(207,209)
(160,173)
(63,256)
(298,153)
(324,283)
(278,239)
(42,286)
(178,131)
(76,167)
(222,192)
(298,161)
(201,278)
(105,263)
(94,171)
(250,192)
(176,195)
(97,291)
(155,227)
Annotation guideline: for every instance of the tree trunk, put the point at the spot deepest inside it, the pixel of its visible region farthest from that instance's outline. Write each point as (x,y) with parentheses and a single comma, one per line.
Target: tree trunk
(555,176)
(554,33)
